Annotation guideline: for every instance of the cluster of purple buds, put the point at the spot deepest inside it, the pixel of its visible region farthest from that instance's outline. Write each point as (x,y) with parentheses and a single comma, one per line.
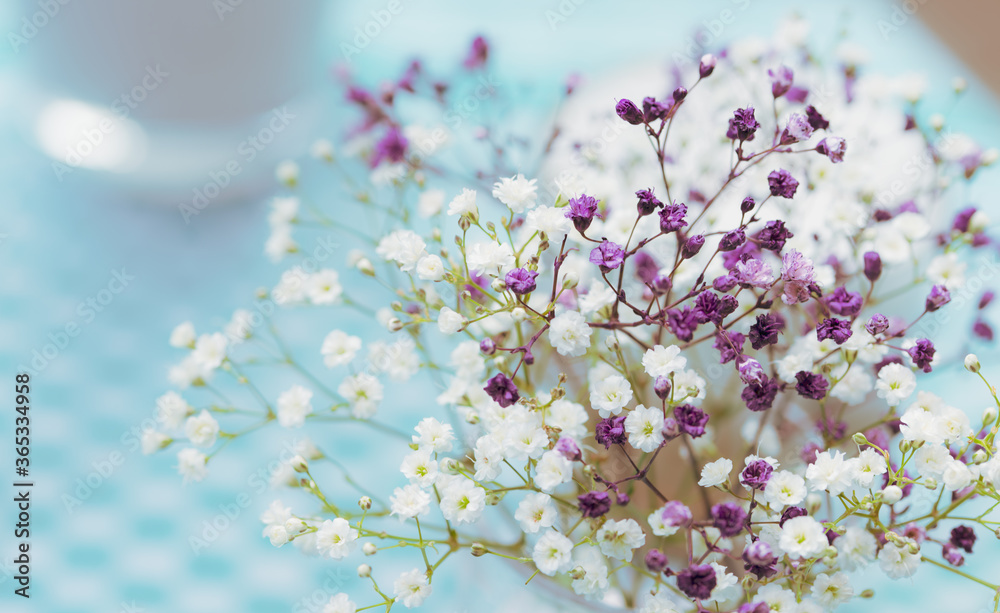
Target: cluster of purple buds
(729,518)
(878,324)
(594,504)
(648,203)
(690,419)
(697,581)
(782,184)
(656,562)
(756,474)
(521,281)
(611,431)
(938,297)
(759,559)
(743,125)
(502,390)
(607,256)
(582,211)
(672,217)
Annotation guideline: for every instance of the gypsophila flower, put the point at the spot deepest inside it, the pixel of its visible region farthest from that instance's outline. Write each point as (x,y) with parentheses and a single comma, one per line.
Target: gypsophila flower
(661,361)
(645,428)
(420,467)
(464,204)
(552,553)
(898,561)
(832,591)
(201,429)
(516,192)
(340,603)
(802,537)
(191,464)
(830,472)
(552,470)
(463,502)
(293,406)
(895,383)
(617,539)
(569,334)
(412,588)
(716,473)
(535,512)
(339,348)
(609,396)
(410,501)
(363,392)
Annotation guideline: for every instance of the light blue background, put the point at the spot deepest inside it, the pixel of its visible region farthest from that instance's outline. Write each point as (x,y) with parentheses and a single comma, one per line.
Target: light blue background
(129,541)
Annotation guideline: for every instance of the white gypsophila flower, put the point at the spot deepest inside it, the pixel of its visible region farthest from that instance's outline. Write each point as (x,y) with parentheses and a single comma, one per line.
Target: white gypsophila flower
(171,409)
(657,525)
(660,361)
(280,243)
(523,441)
(831,591)
(930,460)
(550,221)
(335,538)
(553,553)
(597,296)
(412,588)
(594,579)
(536,511)
(340,603)
(957,475)
(463,501)
(552,470)
(489,458)
(895,383)
(291,288)
(364,393)
(449,321)
(830,472)
(869,465)
(191,464)
(617,538)
(404,247)
(323,287)
(516,192)
(188,373)
(322,149)
(277,535)
(570,417)
(429,203)
(659,602)
(856,548)
(899,561)
(287,172)
(294,405)
(210,350)
(152,441)
(410,501)
(240,326)
(284,210)
(489,257)
(420,467)
(725,584)
(610,395)
(645,428)
(803,537)
(785,488)
(464,204)
(277,514)
(183,335)
(399,360)
(716,473)
(339,348)
(430,268)
(434,435)
(201,429)
(947,270)
(778,598)
(689,386)
(569,334)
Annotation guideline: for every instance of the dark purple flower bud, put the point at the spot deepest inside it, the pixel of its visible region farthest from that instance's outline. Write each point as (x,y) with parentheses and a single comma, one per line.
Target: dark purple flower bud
(697,581)
(672,217)
(582,210)
(622,499)
(773,236)
(611,431)
(754,607)
(747,205)
(815,119)
(521,281)
(873,266)
(760,396)
(781,80)
(691,420)
(843,302)
(629,112)
(811,385)
(764,331)
(732,239)
(759,553)
(938,297)
(682,322)
(961,222)
(729,344)
(986,299)
(983,330)
(832,147)
(502,390)
(756,474)
(478,54)
(645,267)
(782,183)
(662,284)
(653,109)
(922,354)
(743,124)
(656,562)
(797,129)
(670,429)
(837,329)
(488,346)
(607,256)
(692,246)
(594,504)
(662,387)
(676,514)
(706,65)
(791,513)
(952,555)
(390,147)
(878,324)
(724,283)
(680,93)
(963,537)
(750,371)
(648,203)
(809,452)
(569,449)
(729,518)
(708,307)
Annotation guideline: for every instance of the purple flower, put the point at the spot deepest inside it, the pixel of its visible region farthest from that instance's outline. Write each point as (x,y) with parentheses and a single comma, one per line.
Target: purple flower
(670,429)
(729,518)
(697,581)
(611,431)
(922,354)
(754,272)
(760,396)
(488,346)
(751,371)
(986,299)
(672,217)
(521,281)
(756,474)
(676,514)
(502,390)
(832,147)
(873,266)
(837,329)
(682,322)
(962,219)
(938,297)
(582,210)
(692,246)
(478,54)
(759,553)
(983,330)
(653,109)
(815,119)
(773,236)
(691,419)
(843,302)
(724,283)
(743,125)
(661,284)
(390,147)
(708,306)
(797,129)
(782,183)
(594,504)
(706,65)
(798,273)
(963,537)
(878,324)
(732,239)
(648,203)
(729,344)
(656,562)
(952,555)
(608,256)
(791,513)
(645,267)
(781,80)
(764,331)
(629,112)
(811,385)
(569,449)
(662,387)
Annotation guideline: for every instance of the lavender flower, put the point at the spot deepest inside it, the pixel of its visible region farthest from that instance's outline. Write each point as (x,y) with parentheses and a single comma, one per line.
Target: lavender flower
(832,147)
(682,322)
(791,513)
(569,449)
(837,329)
(594,504)
(751,371)
(488,346)
(764,331)
(653,109)
(729,518)
(760,396)
(692,246)
(582,210)
(672,217)
(773,236)
(729,344)
(724,283)
(811,385)
(521,281)
(502,390)
(938,297)
(478,53)
(754,272)
(961,223)
(922,354)
(756,474)
(662,387)
(706,65)
(607,256)
(873,266)
(781,80)
(843,302)
(798,274)
(815,119)
(782,184)
(648,203)
(982,330)
(878,324)
(390,147)
(732,239)
(963,537)
(743,125)
(691,420)
(656,562)
(797,129)
(646,267)
(952,555)
(697,581)
(676,514)
(611,431)
(629,112)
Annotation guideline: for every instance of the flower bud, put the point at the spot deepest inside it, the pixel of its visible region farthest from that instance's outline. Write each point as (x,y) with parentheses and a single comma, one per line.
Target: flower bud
(570,280)
(478,550)
(656,562)
(518,314)
(662,387)
(958,84)
(578,573)
(878,324)
(930,483)
(365,503)
(364,571)
(747,205)
(629,112)
(706,65)
(394,324)
(680,93)
(499,285)
(493,498)
(972,363)
(989,415)
(366,267)
(873,266)
(692,246)
(299,464)
(369,549)
(860,439)
(979,457)
(671,429)
(869,593)
(611,343)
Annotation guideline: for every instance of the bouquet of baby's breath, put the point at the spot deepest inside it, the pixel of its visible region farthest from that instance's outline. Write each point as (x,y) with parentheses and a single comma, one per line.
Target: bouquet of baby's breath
(684,359)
